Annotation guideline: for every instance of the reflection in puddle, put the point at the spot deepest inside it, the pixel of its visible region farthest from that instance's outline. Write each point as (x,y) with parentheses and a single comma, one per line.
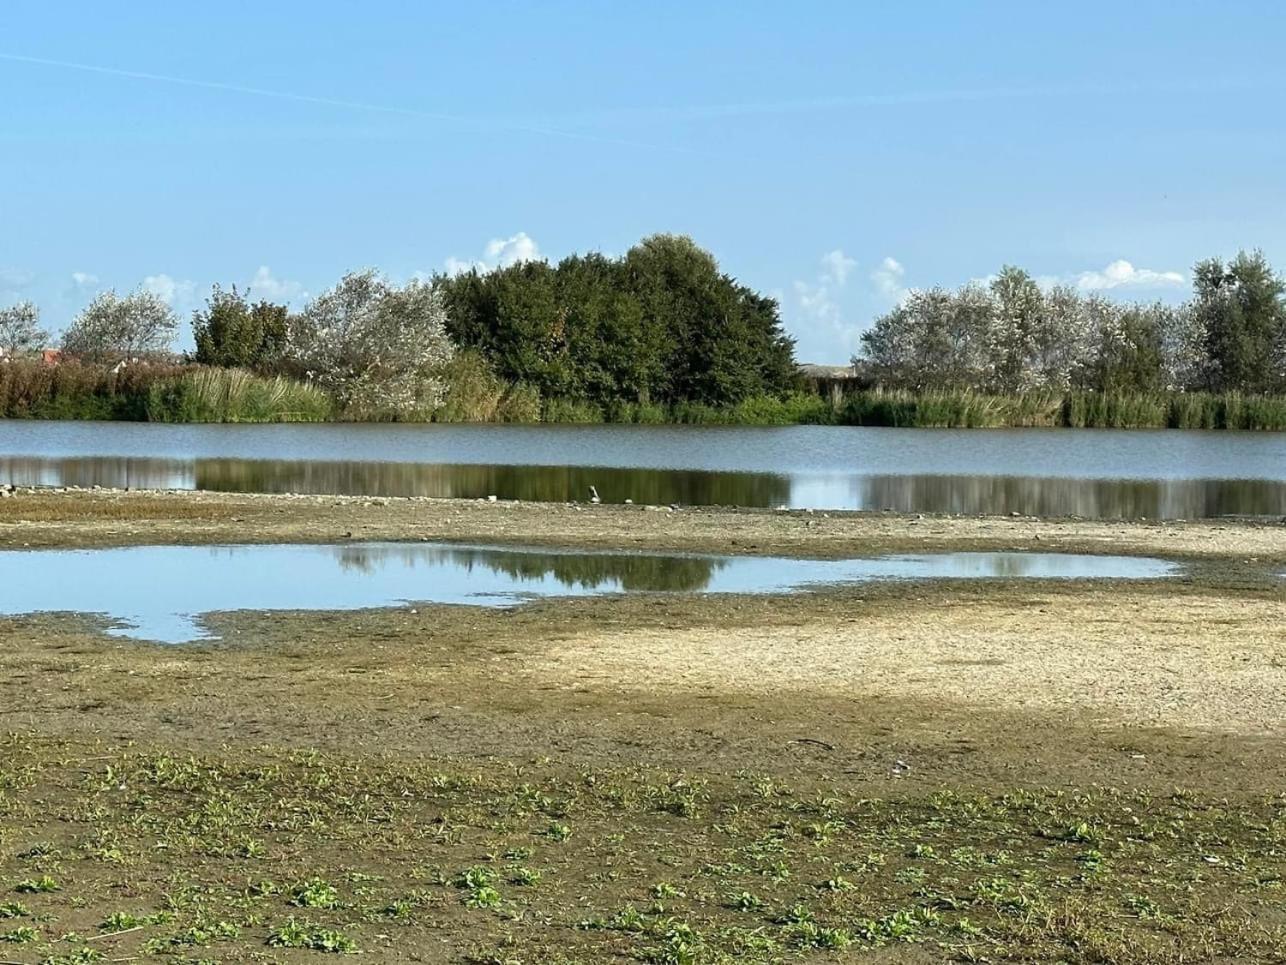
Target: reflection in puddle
(161,592)
(970,495)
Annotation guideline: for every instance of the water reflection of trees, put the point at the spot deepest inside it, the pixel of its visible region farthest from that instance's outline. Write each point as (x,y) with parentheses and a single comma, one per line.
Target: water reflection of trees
(118,472)
(587,571)
(1092,498)
(969,495)
(534,483)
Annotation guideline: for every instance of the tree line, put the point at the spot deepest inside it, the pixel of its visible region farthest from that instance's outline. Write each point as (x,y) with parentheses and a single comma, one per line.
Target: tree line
(662,333)
(1010,336)
(659,326)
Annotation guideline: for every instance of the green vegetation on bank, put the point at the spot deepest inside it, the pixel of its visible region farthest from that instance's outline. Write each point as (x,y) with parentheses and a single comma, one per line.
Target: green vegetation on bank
(1013,337)
(194,393)
(1080,410)
(155,393)
(234,395)
(117,854)
(662,335)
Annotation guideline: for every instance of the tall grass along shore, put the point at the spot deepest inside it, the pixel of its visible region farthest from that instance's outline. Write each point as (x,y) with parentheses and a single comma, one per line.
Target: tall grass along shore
(194,393)
(1080,410)
(155,393)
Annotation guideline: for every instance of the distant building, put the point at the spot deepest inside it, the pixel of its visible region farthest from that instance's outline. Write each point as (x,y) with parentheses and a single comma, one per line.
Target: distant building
(831,382)
(51,356)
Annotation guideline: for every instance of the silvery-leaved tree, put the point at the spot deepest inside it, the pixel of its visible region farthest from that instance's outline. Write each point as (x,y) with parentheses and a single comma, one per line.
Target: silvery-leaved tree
(378,348)
(115,328)
(20,331)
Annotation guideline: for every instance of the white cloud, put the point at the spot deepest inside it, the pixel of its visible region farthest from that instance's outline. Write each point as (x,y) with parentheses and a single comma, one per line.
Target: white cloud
(1119,274)
(267,285)
(15,278)
(815,301)
(499,253)
(823,334)
(837,266)
(1122,274)
(511,251)
(83,279)
(456,266)
(169,290)
(889,280)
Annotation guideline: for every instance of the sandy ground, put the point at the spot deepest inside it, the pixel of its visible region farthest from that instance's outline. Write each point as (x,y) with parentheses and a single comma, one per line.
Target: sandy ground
(1149,659)
(1179,681)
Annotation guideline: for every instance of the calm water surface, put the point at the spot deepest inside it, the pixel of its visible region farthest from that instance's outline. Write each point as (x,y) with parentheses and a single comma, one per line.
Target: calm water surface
(1093,473)
(171,587)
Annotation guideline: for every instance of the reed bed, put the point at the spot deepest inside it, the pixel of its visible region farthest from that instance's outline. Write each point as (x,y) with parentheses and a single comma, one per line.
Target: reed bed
(160,392)
(155,392)
(235,395)
(1082,410)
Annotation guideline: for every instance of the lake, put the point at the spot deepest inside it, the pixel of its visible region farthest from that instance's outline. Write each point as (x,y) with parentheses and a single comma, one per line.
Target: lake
(171,587)
(1047,472)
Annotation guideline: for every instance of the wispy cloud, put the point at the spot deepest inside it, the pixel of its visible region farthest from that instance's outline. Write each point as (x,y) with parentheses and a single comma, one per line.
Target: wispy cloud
(1122,274)
(471,121)
(837,266)
(498,253)
(13,283)
(175,293)
(265,284)
(819,322)
(15,278)
(889,280)
(912,98)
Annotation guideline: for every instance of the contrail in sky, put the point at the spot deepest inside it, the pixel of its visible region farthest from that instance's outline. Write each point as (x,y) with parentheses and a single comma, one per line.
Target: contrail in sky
(475,122)
(673,113)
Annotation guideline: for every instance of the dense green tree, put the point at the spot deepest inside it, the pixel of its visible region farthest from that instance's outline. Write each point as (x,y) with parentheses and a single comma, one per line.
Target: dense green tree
(234,333)
(719,342)
(1241,316)
(662,324)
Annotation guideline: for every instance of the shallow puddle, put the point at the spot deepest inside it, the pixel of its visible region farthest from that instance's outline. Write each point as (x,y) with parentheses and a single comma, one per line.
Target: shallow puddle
(162,592)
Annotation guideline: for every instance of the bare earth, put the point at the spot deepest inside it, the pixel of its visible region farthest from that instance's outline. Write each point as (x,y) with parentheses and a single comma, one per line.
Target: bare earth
(1204,654)
(891,690)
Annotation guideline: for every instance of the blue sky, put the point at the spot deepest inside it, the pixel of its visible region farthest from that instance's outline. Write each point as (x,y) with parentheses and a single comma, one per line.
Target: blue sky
(832,154)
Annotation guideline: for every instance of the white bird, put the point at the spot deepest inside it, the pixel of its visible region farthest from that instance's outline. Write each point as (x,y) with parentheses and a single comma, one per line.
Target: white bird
(593,495)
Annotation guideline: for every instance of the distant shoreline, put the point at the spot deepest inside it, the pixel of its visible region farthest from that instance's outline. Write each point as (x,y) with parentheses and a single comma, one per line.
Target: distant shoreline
(876,408)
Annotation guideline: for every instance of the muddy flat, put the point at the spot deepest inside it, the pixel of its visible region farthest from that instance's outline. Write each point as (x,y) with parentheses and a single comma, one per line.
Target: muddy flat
(997,769)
